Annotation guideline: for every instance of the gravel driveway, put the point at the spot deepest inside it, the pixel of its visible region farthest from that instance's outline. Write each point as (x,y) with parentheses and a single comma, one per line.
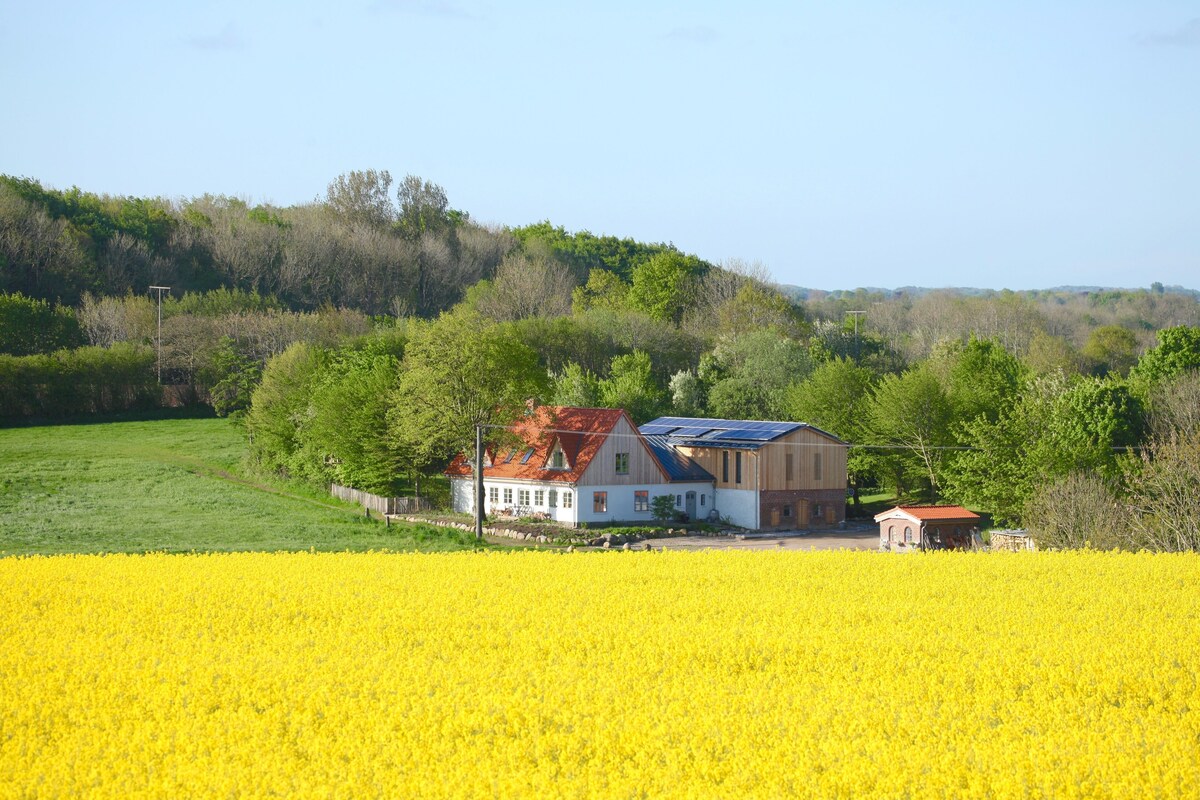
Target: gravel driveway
(855,537)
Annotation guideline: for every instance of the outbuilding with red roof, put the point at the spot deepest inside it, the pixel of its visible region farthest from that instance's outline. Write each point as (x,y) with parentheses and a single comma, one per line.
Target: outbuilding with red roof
(927,527)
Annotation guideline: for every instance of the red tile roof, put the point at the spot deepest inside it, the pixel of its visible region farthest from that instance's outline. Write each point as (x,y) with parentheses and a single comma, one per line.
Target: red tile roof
(580,430)
(930,513)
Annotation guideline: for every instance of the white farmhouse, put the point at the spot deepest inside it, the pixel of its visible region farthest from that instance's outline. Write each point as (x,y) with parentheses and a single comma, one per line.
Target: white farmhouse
(582,465)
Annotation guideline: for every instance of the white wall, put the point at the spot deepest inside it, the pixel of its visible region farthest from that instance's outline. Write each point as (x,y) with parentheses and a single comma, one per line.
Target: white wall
(740,506)
(620,501)
(460,495)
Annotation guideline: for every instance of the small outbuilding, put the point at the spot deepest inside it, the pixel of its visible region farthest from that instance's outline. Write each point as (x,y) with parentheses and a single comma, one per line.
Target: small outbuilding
(927,528)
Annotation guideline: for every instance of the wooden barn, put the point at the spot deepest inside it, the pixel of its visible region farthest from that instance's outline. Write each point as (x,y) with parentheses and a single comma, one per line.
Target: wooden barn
(768,475)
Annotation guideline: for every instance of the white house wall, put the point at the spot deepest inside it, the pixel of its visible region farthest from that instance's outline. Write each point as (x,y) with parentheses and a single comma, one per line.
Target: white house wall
(462,497)
(739,506)
(620,501)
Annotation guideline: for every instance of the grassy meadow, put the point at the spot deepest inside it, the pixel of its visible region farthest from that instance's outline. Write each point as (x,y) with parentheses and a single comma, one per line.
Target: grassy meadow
(170,485)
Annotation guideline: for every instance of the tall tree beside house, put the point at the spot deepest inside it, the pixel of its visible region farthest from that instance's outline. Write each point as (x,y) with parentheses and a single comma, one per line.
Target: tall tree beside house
(575,386)
(347,438)
(835,398)
(910,416)
(631,386)
(460,371)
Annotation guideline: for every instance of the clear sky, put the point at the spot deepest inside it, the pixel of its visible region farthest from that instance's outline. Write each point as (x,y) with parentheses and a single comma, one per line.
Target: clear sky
(995,144)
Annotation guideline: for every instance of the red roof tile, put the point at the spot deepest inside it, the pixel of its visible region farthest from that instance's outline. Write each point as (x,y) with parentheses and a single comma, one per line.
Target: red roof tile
(930,513)
(580,430)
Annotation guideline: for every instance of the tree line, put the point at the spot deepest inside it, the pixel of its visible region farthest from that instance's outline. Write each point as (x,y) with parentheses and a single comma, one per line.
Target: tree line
(372,364)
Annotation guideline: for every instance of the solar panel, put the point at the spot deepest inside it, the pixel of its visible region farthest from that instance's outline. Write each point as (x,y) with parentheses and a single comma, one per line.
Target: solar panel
(691,431)
(656,428)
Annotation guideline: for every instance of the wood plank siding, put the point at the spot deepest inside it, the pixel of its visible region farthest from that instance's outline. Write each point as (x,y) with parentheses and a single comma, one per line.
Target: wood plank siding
(817,462)
(643,468)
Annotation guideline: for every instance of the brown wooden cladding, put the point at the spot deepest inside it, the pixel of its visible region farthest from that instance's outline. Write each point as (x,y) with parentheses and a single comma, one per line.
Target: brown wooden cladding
(643,468)
(817,462)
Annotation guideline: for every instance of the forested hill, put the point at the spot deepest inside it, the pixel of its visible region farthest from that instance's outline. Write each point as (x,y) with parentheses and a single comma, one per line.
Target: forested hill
(363,246)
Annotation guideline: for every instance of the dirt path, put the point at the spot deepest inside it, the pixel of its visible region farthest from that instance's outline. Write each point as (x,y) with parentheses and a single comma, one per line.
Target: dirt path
(792,540)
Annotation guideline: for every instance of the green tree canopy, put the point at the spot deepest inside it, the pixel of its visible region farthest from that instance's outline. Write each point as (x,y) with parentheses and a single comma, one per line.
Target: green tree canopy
(663,287)
(910,415)
(631,386)
(1177,351)
(460,371)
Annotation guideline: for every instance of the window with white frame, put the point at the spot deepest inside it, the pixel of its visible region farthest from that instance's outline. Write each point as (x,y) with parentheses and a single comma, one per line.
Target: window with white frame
(641,501)
(508,495)
(539,497)
(494,494)
(679,501)
(599,502)
(522,497)
(568,499)
(554,498)
(558,459)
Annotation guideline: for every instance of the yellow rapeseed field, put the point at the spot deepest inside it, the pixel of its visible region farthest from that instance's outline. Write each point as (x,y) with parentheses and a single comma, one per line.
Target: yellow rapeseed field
(651,675)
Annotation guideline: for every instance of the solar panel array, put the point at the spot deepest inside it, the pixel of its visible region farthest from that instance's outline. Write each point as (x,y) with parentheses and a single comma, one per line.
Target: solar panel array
(718,430)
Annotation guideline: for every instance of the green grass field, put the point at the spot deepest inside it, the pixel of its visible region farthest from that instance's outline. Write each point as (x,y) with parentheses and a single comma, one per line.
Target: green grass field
(172,485)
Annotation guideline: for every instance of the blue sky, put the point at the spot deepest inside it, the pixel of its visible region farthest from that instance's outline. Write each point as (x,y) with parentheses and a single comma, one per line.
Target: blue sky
(1006,145)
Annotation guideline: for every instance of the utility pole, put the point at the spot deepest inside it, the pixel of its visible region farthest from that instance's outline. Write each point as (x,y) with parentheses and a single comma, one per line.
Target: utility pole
(479,482)
(158,343)
(856,315)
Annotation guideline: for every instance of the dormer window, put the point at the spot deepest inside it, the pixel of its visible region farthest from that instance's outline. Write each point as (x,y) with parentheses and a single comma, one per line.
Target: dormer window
(558,459)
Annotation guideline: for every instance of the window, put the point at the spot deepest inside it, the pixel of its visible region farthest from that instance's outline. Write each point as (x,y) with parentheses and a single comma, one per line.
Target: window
(557,459)
(702,499)
(737,467)
(539,497)
(891,533)
(528,455)
(679,501)
(599,502)
(554,498)
(816,511)
(787,467)
(725,466)
(493,494)
(522,497)
(787,512)
(907,535)
(622,463)
(816,466)
(508,496)
(641,501)
(567,500)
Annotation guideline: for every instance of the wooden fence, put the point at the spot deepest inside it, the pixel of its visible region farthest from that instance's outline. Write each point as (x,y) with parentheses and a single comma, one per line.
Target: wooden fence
(380,504)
